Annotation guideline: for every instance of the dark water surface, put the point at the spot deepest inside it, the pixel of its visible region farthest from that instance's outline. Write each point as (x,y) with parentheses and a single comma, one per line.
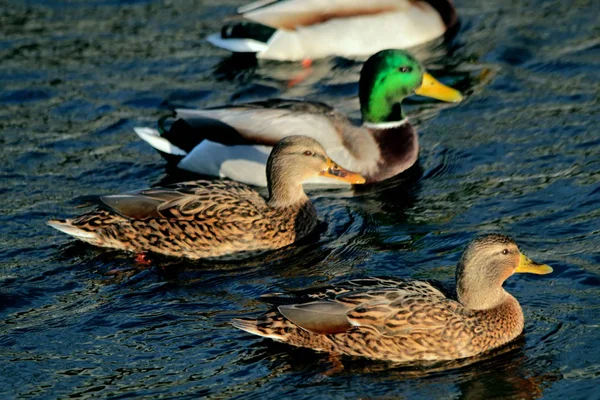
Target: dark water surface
(521,156)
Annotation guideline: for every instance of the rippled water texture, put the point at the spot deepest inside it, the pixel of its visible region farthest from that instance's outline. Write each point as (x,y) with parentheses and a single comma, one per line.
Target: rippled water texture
(519,156)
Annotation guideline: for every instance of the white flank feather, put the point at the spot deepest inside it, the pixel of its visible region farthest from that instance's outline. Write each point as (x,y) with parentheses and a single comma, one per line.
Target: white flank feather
(153,138)
(247,164)
(241,163)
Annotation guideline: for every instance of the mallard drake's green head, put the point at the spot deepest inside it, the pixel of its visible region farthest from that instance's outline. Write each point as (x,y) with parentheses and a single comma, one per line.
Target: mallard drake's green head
(484,266)
(293,160)
(388,77)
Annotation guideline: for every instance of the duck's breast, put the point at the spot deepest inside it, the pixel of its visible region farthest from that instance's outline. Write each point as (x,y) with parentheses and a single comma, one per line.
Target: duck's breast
(399,150)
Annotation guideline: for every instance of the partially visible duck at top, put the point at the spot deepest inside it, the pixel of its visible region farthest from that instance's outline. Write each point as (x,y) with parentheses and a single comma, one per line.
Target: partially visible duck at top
(294,30)
(234,141)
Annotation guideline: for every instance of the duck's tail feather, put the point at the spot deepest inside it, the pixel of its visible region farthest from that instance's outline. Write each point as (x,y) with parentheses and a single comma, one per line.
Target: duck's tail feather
(243,37)
(248,325)
(265,327)
(66,227)
(154,139)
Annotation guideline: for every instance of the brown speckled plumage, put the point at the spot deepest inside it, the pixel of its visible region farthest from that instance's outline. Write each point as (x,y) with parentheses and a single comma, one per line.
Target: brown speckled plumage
(213,218)
(403,320)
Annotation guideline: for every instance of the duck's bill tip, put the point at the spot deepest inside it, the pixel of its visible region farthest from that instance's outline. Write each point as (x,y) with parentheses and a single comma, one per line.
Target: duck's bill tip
(527,265)
(335,171)
(431,87)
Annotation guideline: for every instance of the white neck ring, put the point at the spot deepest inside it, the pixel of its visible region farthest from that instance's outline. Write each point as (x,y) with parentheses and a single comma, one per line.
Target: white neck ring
(385,125)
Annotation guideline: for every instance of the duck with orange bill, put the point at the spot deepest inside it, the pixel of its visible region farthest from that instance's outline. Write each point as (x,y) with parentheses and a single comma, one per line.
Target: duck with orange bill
(207,219)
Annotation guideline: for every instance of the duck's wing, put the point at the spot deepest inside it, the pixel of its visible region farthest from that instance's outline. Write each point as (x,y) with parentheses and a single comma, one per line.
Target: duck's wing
(389,306)
(186,200)
(256,123)
(418,307)
(289,14)
(267,122)
(331,292)
(325,317)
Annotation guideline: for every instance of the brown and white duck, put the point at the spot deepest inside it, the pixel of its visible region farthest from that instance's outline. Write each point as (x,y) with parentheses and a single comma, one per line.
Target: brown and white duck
(202,219)
(404,320)
(234,141)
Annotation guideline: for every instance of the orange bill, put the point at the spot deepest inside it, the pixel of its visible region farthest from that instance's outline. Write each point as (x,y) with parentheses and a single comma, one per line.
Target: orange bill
(335,171)
(527,265)
(431,87)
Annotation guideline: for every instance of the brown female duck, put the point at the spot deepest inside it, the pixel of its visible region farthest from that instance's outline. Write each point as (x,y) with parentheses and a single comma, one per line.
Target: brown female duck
(214,218)
(403,320)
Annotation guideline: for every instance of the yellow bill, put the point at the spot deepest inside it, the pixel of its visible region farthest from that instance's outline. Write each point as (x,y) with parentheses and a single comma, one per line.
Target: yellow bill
(532,267)
(431,87)
(335,171)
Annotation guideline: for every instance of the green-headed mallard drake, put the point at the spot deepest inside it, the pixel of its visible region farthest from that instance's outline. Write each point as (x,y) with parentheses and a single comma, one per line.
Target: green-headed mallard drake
(234,141)
(210,219)
(403,320)
(294,30)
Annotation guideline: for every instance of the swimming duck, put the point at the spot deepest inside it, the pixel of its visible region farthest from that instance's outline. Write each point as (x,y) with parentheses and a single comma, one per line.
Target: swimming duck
(214,218)
(294,30)
(234,141)
(404,320)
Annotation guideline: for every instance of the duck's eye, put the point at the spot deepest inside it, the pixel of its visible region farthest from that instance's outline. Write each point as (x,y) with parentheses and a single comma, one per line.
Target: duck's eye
(405,69)
(505,251)
(308,153)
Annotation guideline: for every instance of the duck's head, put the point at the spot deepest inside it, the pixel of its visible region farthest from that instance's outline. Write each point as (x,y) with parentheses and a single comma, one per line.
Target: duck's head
(388,77)
(293,160)
(484,266)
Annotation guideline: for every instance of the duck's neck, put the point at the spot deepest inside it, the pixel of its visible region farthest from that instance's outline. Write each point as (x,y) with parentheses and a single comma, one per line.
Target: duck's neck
(377,107)
(284,194)
(398,148)
(476,293)
(482,299)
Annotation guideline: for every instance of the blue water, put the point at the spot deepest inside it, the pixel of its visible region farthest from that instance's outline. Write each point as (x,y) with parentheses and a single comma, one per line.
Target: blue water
(519,156)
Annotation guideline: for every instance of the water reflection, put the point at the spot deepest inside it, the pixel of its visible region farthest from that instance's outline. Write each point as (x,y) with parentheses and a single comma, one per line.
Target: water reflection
(506,371)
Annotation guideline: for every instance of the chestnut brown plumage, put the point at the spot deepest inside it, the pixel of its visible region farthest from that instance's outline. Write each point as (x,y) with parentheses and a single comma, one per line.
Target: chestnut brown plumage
(214,218)
(403,320)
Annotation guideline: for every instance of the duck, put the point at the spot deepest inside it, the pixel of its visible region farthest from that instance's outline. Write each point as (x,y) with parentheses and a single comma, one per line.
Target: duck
(210,219)
(234,141)
(402,320)
(294,30)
